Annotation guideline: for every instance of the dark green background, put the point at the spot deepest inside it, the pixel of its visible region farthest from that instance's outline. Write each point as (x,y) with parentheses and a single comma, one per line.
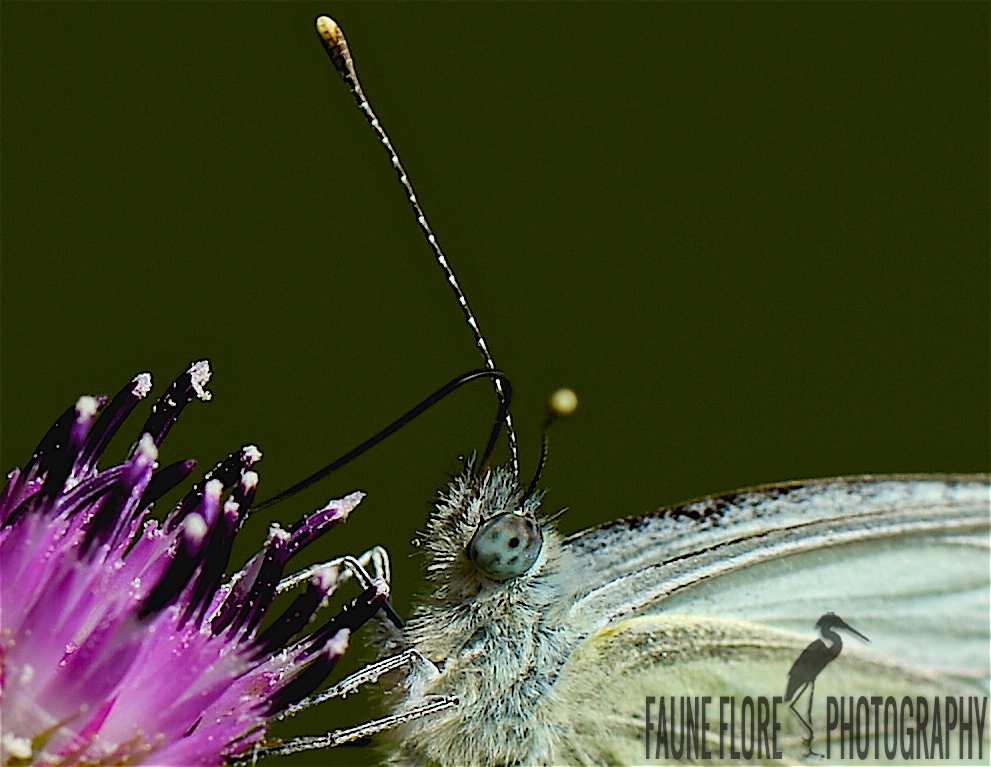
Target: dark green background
(754,237)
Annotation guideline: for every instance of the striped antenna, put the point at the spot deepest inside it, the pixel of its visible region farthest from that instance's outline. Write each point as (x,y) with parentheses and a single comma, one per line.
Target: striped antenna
(336,46)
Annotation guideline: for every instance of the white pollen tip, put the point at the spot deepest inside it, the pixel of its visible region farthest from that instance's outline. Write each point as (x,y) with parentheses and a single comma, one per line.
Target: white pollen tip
(86,407)
(249,480)
(195,528)
(328,29)
(345,505)
(147,449)
(338,643)
(17,747)
(213,490)
(563,402)
(251,454)
(142,385)
(276,532)
(200,374)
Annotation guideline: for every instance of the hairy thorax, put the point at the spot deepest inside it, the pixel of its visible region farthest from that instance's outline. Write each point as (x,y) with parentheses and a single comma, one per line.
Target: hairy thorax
(499,651)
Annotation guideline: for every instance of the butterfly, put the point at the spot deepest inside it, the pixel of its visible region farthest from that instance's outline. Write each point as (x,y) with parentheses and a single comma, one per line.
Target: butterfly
(538,648)
(551,655)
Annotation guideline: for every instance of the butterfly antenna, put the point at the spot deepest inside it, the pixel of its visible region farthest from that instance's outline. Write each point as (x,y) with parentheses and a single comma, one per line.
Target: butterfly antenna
(336,46)
(563,402)
(407,417)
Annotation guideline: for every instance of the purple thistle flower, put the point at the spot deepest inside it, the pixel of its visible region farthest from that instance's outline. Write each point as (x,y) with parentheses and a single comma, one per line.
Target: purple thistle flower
(120,640)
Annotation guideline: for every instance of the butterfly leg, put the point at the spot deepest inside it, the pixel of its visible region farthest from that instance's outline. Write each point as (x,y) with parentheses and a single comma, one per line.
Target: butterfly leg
(367,675)
(348,685)
(426,707)
(376,558)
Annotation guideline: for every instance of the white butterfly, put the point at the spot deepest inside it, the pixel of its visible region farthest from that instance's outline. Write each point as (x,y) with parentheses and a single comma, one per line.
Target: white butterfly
(538,649)
(533,649)
(552,664)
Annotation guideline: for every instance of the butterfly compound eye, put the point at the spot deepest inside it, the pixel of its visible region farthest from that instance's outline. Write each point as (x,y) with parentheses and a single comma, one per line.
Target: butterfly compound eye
(505,546)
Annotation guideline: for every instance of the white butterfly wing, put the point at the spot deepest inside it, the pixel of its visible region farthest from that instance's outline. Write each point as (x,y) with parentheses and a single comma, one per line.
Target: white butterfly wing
(719,597)
(903,552)
(605,686)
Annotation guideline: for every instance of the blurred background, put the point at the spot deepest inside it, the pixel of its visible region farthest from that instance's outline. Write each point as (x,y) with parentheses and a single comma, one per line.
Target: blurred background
(753,237)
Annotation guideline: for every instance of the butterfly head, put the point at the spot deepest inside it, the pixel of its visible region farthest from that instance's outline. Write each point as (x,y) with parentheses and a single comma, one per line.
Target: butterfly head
(485,534)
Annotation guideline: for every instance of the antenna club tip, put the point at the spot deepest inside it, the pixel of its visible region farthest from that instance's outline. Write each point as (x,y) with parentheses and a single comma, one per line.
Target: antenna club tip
(563,402)
(328,29)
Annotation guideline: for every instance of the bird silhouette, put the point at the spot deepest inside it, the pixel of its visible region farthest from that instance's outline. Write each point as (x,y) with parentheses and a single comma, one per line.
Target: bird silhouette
(814,658)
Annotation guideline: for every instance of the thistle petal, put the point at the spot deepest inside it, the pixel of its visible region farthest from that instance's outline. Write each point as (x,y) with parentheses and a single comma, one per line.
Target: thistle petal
(120,639)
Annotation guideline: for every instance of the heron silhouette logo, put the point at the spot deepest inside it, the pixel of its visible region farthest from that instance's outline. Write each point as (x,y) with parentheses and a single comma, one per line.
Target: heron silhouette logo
(814,658)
